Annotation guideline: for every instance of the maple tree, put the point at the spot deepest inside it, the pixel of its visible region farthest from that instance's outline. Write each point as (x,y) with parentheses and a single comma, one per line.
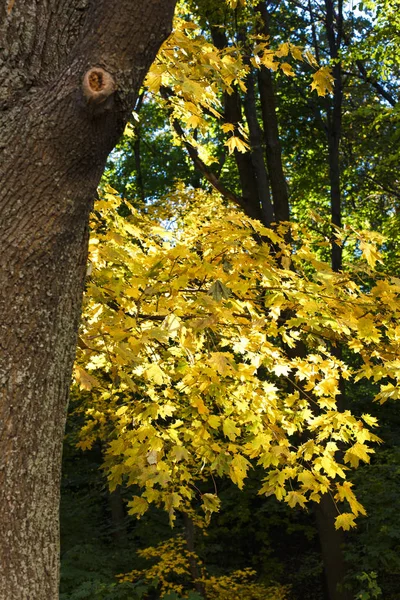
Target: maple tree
(186,353)
(205,78)
(210,346)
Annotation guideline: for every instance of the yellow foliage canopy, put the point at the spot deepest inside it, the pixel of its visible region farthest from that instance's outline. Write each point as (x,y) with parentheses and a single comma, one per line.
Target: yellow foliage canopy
(201,355)
(193,74)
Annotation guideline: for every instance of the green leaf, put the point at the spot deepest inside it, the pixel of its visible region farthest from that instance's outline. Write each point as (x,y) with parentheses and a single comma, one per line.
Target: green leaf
(219,291)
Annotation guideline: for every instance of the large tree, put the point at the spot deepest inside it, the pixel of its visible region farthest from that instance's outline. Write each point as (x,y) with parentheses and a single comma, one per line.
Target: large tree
(69,75)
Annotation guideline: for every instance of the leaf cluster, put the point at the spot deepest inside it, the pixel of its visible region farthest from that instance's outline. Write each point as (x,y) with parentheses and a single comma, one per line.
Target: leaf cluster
(190,353)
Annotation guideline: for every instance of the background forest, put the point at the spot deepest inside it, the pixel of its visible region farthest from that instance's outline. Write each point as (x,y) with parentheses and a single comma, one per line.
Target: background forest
(237,366)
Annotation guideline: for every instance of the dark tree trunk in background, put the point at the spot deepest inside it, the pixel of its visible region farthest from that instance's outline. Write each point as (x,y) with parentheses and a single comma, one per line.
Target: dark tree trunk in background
(195,570)
(70,71)
(249,177)
(258,151)
(334,33)
(118,517)
(331,541)
(276,174)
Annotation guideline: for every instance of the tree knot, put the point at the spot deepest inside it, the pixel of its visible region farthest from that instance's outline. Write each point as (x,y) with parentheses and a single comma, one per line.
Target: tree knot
(97,85)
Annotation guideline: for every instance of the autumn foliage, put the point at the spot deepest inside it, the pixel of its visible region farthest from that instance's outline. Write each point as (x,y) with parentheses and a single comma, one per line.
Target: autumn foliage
(207,347)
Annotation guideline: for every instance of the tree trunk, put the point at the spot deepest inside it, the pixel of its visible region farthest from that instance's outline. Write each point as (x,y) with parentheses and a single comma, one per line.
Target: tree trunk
(195,570)
(280,195)
(258,151)
(331,542)
(69,76)
(334,33)
(248,176)
(118,518)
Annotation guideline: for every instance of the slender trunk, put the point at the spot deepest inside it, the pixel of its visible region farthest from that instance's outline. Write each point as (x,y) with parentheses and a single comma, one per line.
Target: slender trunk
(334,32)
(333,136)
(137,153)
(118,517)
(276,174)
(244,160)
(138,166)
(195,571)
(279,187)
(257,151)
(331,542)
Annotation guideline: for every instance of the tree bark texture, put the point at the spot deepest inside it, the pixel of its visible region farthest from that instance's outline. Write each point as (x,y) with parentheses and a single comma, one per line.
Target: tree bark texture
(70,71)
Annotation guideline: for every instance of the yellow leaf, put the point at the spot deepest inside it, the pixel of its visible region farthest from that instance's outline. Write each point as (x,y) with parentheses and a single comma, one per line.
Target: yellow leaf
(287,69)
(153,81)
(345,493)
(193,121)
(238,470)
(228,127)
(322,81)
(370,420)
(310,58)
(180,453)
(152,457)
(138,506)
(211,502)
(166,410)
(84,379)
(294,498)
(281,369)
(234,3)
(236,143)
(327,387)
(388,391)
(367,329)
(345,521)
(230,430)
(370,253)
(283,49)
(220,360)
(172,324)
(268,60)
(330,466)
(199,404)
(214,421)
(356,453)
(296,51)
(155,374)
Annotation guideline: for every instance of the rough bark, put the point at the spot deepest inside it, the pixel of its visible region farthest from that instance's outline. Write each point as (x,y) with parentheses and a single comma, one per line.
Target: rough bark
(69,75)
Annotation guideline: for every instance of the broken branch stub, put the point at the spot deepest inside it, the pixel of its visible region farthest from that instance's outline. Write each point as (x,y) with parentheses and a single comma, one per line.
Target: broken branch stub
(97,85)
